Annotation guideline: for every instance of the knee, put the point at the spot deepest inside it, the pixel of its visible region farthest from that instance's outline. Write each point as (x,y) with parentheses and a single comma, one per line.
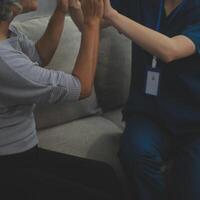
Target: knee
(138,148)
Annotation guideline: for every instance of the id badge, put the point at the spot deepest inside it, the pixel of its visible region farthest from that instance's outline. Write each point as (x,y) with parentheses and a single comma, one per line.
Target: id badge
(152,82)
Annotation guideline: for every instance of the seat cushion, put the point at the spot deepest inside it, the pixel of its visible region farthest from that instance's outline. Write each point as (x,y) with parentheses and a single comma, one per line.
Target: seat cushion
(116,117)
(64,60)
(94,137)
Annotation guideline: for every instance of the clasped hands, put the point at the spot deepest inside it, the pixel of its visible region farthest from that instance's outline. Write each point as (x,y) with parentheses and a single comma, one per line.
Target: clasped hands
(91,9)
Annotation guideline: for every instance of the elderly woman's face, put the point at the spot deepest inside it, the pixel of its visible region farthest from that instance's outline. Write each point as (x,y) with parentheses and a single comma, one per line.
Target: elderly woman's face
(29,5)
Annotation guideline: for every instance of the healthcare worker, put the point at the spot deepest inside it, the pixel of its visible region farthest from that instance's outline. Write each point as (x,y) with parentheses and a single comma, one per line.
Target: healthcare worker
(28,172)
(163,110)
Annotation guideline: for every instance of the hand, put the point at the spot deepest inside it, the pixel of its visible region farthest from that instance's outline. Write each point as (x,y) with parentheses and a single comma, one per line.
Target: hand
(108,9)
(92,10)
(75,4)
(63,6)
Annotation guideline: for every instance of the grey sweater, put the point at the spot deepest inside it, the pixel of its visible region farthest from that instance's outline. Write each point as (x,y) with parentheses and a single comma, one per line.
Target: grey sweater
(23,84)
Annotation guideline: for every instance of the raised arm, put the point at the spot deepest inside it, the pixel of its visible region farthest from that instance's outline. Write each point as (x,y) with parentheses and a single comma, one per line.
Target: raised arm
(48,43)
(86,62)
(165,48)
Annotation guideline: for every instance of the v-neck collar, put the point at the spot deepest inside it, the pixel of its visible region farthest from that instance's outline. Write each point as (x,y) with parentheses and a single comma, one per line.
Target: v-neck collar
(175,11)
(174,14)
(148,15)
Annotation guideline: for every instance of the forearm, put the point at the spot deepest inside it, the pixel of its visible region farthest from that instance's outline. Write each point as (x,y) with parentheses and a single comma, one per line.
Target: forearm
(85,66)
(48,43)
(153,42)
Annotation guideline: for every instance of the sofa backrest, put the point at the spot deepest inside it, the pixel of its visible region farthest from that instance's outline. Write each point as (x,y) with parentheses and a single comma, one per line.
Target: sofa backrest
(46,7)
(113,70)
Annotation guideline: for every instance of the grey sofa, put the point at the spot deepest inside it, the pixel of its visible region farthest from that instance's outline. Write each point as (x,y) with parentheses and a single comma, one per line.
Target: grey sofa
(90,128)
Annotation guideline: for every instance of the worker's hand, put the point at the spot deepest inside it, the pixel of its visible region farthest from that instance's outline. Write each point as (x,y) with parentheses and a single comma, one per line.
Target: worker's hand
(63,6)
(108,9)
(75,4)
(92,10)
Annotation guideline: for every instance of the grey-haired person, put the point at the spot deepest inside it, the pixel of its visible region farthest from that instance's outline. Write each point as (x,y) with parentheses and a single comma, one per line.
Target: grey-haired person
(26,171)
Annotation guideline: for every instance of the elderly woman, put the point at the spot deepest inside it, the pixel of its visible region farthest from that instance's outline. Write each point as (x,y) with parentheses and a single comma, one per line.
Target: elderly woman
(26,171)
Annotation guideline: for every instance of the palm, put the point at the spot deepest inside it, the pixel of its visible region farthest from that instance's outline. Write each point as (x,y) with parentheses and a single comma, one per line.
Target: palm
(92,9)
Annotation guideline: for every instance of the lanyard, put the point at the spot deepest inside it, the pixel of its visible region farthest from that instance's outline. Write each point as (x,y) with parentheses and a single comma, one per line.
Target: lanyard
(158,26)
(160,15)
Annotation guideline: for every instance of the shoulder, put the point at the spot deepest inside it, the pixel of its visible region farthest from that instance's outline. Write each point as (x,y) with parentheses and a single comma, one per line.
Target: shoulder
(6,49)
(191,12)
(10,60)
(11,57)
(16,32)
(192,4)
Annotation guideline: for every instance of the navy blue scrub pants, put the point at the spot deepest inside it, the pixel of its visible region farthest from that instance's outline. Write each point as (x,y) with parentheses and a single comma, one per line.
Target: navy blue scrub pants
(160,166)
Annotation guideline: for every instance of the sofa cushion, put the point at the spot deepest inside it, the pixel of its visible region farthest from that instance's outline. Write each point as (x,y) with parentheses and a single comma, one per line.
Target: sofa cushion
(64,59)
(114,69)
(51,115)
(93,137)
(45,8)
(115,116)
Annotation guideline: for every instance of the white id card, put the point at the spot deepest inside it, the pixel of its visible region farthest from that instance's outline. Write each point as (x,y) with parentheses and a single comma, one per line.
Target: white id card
(152,83)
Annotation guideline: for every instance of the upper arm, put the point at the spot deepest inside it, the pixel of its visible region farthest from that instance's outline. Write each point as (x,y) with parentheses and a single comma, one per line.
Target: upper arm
(183,47)
(25,82)
(192,32)
(188,41)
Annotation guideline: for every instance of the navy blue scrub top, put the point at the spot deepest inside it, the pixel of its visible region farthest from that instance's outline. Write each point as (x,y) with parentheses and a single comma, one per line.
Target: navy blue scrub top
(177,106)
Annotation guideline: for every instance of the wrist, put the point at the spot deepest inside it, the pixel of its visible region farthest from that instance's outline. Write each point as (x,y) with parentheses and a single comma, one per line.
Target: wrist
(59,15)
(92,22)
(60,11)
(91,27)
(109,16)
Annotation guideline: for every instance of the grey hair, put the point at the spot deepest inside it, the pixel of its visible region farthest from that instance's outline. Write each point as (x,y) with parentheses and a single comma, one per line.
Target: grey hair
(5,9)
